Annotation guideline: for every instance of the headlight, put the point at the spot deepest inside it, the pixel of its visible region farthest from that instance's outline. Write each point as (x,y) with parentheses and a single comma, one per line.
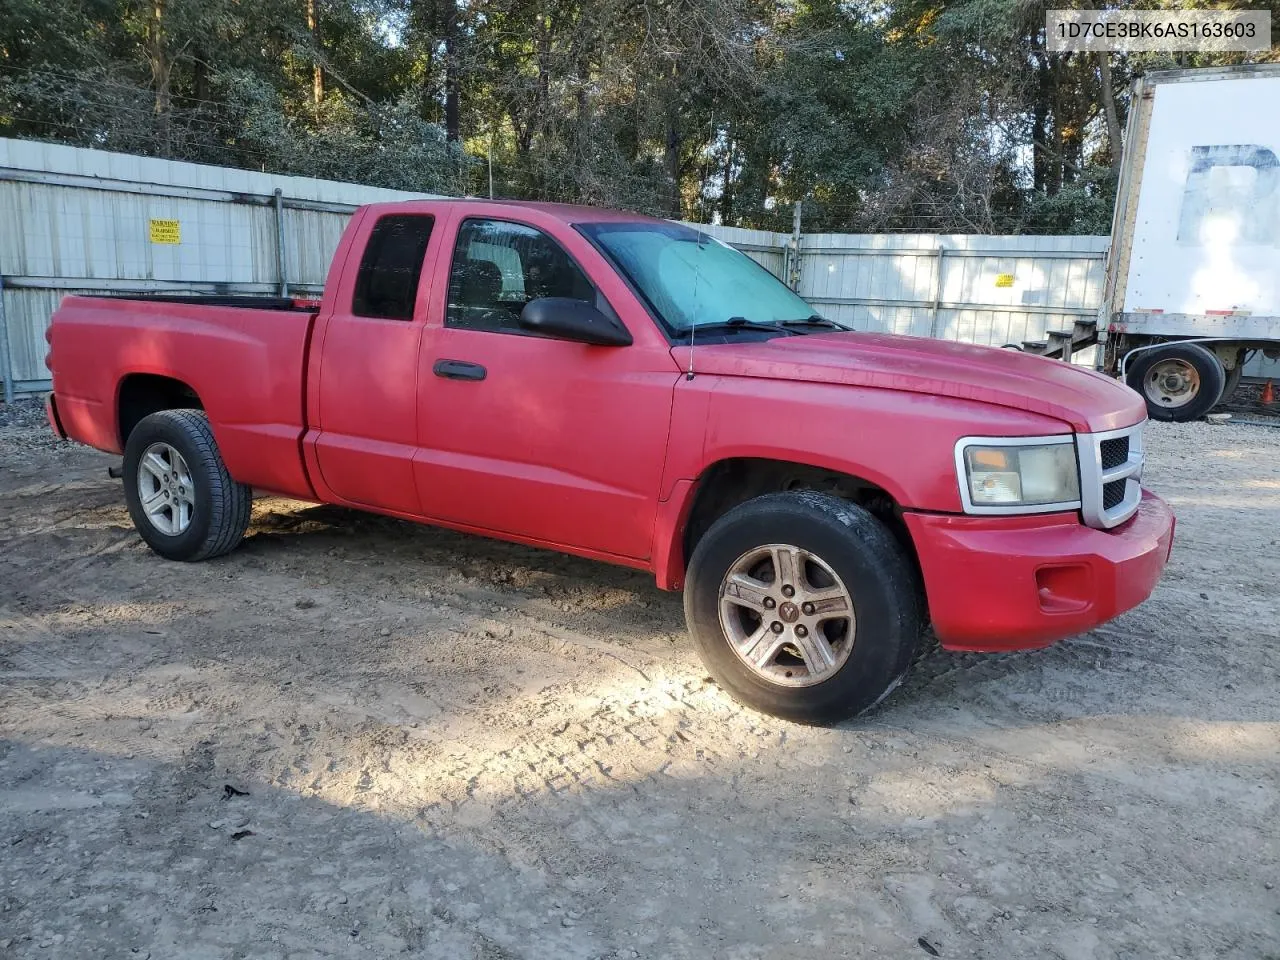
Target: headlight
(1017,474)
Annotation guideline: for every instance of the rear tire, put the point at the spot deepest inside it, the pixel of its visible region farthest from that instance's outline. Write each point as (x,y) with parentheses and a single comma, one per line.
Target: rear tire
(183,502)
(742,577)
(1179,381)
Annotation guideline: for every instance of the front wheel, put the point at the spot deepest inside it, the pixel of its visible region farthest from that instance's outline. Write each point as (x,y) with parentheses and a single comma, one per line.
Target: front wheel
(804,606)
(182,500)
(1179,381)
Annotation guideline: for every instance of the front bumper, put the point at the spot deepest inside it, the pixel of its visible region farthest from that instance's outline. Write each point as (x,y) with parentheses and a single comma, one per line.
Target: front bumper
(1015,583)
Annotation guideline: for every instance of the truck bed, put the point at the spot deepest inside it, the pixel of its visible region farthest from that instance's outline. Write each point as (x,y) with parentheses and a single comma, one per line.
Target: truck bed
(243,362)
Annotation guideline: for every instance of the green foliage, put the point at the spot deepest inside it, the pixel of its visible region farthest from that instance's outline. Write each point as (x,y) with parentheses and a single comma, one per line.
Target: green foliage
(938,115)
(1081,207)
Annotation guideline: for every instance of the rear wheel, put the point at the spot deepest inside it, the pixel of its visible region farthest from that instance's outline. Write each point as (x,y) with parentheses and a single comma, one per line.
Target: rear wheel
(182,500)
(804,606)
(1179,381)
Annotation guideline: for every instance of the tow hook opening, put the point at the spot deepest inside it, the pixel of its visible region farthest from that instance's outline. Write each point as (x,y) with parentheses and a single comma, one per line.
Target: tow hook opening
(1064,587)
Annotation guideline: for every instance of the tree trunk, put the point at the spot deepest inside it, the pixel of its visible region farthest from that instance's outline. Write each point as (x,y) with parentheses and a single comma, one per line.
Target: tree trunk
(317,73)
(671,158)
(452,71)
(161,75)
(1075,105)
(1114,135)
(200,82)
(580,97)
(1054,147)
(542,89)
(1040,126)
(726,189)
(523,131)
(583,152)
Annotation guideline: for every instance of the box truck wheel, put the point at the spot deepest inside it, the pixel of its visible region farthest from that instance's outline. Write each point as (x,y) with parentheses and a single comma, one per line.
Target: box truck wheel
(180,496)
(1179,381)
(804,606)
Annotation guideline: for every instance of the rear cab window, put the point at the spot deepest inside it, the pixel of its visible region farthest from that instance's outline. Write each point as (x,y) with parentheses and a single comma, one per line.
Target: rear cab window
(387,281)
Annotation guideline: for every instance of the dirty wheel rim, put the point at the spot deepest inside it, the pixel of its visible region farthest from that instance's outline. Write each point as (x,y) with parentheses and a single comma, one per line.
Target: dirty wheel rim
(165,490)
(1172,383)
(787,615)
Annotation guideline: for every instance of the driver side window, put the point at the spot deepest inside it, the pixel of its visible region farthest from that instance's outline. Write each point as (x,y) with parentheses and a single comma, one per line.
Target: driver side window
(500,266)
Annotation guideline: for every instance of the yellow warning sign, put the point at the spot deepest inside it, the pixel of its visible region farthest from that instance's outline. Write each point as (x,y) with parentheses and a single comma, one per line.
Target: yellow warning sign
(1004,279)
(166,231)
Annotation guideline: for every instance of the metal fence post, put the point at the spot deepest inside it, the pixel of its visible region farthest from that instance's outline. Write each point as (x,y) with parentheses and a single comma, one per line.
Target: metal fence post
(795,246)
(937,293)
(6,365)
(282,263)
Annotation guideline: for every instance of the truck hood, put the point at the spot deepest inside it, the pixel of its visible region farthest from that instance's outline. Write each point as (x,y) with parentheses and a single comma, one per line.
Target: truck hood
(1089,401)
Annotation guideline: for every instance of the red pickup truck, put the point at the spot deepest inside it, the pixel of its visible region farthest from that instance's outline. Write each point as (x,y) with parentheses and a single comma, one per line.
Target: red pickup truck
(632,390)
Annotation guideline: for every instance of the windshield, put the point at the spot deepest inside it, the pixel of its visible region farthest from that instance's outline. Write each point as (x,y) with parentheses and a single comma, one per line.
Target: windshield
(690,278)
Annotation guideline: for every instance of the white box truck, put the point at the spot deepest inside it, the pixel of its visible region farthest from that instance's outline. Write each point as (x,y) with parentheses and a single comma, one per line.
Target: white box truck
(1193,277)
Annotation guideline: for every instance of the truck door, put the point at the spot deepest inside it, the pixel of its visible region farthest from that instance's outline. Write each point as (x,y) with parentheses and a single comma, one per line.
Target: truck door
(365,399)
(545,439)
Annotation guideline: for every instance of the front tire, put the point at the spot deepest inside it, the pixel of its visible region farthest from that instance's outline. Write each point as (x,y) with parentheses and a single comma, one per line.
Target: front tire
(183,502)
(1179,381)
(804,606)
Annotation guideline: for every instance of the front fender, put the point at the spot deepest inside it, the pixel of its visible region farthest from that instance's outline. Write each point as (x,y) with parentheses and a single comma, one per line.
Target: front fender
(903,443)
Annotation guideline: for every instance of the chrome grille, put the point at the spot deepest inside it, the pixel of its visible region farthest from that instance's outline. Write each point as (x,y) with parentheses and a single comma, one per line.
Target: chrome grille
(1110,475)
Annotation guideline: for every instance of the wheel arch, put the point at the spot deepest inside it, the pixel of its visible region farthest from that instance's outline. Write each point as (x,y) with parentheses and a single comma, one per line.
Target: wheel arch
(729,481)
(138,395)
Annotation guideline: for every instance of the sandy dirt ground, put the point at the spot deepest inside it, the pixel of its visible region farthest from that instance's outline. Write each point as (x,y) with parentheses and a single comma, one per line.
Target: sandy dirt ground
(454,748)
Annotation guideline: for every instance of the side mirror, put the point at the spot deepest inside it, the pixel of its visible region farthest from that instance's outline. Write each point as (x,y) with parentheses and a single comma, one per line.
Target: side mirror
(568,319)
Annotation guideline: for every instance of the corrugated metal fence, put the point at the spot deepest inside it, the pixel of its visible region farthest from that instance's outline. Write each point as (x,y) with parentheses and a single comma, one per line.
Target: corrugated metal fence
(88,221)
(992,290)
(96,222)
(770,250)
(978,289)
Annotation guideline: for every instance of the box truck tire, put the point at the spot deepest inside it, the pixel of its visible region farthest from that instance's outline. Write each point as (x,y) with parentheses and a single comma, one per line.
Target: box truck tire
(1179,381)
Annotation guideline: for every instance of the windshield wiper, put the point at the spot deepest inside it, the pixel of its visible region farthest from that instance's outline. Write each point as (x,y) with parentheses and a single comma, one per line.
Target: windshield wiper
(742,323)
(815,321)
